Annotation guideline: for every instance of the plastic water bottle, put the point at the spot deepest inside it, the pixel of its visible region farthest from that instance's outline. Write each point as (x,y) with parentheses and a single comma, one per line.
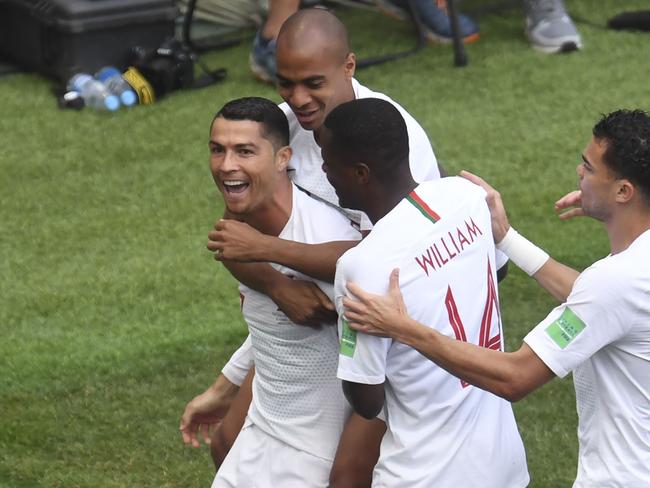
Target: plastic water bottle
(112,79)
(94,93)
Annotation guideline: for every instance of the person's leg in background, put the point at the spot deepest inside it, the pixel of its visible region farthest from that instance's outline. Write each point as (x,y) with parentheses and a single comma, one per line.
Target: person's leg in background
(435,19)
(262,56)
(549,27)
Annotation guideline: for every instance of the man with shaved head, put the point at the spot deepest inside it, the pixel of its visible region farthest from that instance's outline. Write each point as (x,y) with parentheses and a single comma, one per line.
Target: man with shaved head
(315,73)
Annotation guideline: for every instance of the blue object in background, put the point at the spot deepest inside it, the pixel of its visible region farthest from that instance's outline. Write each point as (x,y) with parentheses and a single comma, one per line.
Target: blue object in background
(93,92)
(112,79)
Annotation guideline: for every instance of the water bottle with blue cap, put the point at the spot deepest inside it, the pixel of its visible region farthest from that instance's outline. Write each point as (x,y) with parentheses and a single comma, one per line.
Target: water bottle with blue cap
(112,79)
(93,92)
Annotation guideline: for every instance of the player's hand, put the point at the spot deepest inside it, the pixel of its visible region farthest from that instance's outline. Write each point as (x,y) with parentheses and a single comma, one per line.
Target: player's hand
(569,205)
(304,303)
(237,241)
(377,315)
(499,218)
(205,412)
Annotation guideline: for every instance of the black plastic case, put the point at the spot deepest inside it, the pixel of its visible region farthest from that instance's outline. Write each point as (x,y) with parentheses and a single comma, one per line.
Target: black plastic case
(62,37)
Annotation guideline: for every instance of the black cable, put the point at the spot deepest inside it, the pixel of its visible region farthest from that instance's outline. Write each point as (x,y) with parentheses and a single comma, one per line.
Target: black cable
(209,77)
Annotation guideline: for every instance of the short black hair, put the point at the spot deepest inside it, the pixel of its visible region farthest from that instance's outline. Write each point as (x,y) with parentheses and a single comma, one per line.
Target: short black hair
(627,133)
(275,126)
(370,131)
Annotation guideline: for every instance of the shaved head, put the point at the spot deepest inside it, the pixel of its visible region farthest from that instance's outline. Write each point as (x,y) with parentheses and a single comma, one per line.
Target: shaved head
(315,32)
(314,66)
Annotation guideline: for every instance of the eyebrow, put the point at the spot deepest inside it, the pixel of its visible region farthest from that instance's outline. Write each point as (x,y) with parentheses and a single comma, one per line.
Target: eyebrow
(585,160)
(238,145)
(309,79)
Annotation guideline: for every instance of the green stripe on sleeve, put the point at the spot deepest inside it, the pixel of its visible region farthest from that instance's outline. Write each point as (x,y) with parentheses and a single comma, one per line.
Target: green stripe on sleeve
(348,340)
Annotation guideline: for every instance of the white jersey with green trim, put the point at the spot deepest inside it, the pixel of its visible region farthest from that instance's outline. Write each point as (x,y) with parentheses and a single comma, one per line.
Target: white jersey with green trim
(602,334)
(305,166)
(441,431)
(296,395)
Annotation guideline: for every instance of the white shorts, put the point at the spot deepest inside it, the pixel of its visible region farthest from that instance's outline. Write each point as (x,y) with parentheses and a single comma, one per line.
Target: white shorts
(258,460)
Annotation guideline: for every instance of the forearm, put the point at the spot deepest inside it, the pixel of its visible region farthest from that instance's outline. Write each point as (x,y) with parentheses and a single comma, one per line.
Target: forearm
(508,375)
(315,260)
(260,277)
(223,388)
(556,278)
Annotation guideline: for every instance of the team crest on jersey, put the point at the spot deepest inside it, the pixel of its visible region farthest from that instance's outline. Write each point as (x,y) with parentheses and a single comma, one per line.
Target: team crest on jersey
(348,340)
(565,328)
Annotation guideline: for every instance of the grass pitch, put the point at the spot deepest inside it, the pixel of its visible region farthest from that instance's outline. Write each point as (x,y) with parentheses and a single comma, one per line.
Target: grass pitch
(112,313)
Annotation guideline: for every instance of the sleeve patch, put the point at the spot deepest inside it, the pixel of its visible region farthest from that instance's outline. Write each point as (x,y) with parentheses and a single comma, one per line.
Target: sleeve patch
(566,328)
(348,340)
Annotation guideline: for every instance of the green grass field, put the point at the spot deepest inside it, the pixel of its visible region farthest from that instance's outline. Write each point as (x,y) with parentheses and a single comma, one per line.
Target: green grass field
(113,314)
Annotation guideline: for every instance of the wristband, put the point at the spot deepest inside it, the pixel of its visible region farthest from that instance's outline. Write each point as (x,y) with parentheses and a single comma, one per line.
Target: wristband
(522,252)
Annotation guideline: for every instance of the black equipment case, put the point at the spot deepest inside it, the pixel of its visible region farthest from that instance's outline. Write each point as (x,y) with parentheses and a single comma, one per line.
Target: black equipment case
(62,37)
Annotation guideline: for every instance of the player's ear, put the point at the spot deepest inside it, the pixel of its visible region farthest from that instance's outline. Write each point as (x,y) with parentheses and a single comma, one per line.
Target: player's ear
(350,65)
(282,157)
(362,173)
(626,190)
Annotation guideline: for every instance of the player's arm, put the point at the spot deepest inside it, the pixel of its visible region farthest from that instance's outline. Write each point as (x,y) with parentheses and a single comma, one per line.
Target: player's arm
(206,410)
(237,241)
(302,301)
(362,358)
(366,400)
(226,432)
(509,375)
(555,277)
(357,453)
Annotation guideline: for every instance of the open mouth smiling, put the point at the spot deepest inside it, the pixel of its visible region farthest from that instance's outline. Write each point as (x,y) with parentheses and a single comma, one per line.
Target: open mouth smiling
(235,186)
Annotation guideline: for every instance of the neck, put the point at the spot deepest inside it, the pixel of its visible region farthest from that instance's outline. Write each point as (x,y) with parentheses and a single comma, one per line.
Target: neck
(273,215)
(624,228)
(384,198)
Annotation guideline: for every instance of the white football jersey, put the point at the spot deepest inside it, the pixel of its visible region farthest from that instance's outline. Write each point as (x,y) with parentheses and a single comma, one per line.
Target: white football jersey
(296,395)
(442,432)
(602,334)
(305,166)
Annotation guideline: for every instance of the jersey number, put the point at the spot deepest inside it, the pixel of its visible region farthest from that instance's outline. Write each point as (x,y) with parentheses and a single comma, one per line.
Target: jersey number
(491,306)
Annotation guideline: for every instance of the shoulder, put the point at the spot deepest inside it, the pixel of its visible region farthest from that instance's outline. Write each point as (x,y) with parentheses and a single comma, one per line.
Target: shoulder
(286,109)
(422,159)
(324,219)
(364,92)
(451,192)
(365,260)
(625,270)
(294,125)
(617,281)
(371,261)
(606,283)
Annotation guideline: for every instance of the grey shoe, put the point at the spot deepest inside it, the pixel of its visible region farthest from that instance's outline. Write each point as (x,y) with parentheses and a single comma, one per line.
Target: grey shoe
(549,28)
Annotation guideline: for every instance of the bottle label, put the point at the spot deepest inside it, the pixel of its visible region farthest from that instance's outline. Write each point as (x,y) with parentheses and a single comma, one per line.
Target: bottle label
(140,85)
